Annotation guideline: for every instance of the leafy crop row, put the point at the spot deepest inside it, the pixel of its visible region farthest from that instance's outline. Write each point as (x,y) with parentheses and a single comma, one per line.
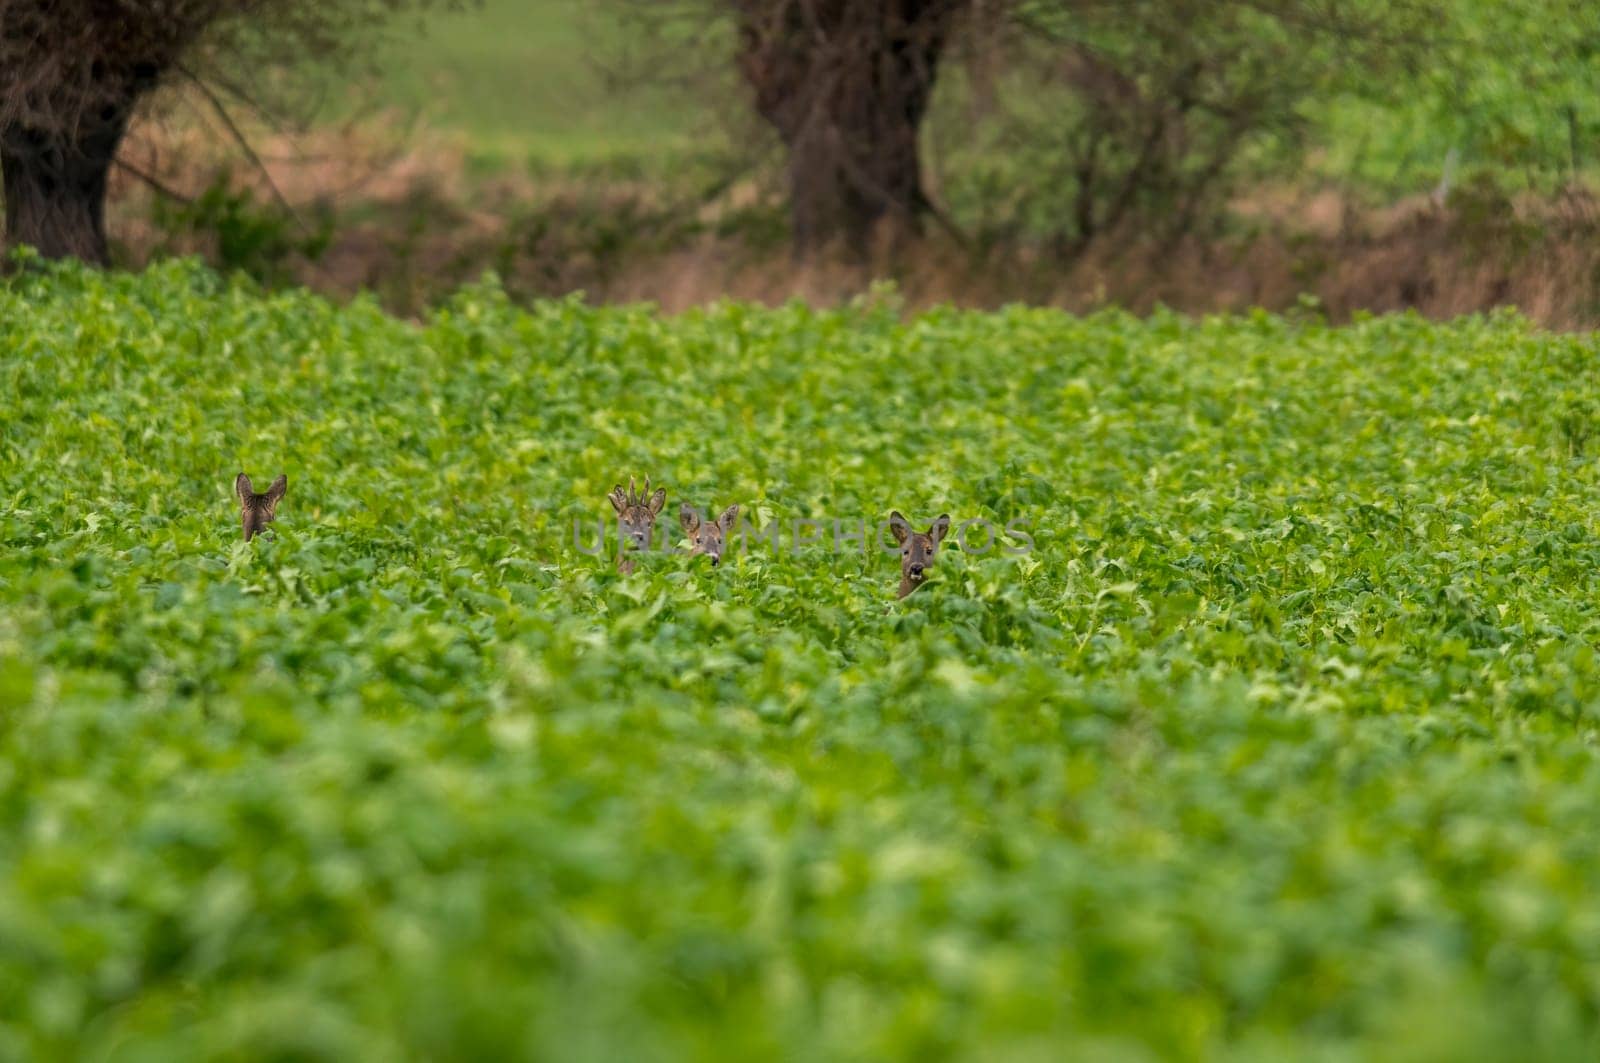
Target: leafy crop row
(1279,740)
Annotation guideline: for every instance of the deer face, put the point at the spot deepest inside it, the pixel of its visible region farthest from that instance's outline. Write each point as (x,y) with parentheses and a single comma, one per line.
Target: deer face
(916,549)
(636,514)
(256,511)
(708,536)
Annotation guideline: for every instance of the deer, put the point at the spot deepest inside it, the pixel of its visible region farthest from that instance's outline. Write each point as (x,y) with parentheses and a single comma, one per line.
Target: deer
(256,511)
(708,536)
(916,549)
(636,520)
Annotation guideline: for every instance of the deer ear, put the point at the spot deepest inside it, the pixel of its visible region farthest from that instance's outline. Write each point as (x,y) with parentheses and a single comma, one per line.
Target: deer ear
(617,499)
(657,500)
(243,488)
(898,525)
(940,529)
(279,487)
(730,516)
(688,518)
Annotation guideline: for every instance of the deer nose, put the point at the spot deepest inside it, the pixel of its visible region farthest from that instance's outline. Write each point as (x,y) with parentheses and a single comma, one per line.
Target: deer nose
(916,570)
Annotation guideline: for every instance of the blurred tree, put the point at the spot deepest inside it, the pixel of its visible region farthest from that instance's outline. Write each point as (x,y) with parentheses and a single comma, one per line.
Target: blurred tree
(846,84)
(73,74)
(1085,116)
(1140,117)
(1511,92)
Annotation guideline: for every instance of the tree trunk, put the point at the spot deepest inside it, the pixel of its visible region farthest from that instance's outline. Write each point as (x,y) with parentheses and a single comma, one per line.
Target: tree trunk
(55,186)
(846,85)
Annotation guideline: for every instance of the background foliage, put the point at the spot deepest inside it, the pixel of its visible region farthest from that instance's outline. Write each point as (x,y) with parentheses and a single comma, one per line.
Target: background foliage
(1281,740)
(1506,92)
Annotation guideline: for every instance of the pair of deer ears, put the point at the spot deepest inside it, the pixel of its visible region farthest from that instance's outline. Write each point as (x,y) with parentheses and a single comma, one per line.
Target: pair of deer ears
(902,528)
(621,500)
(247,492)
(689,517)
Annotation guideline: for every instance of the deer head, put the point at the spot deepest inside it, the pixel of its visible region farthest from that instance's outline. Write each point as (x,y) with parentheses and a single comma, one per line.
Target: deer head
(708,536)
(256,511)
(916,549)
(636,518)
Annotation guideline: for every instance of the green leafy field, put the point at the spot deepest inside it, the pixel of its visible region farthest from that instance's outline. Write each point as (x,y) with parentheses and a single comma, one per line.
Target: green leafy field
(1278,744)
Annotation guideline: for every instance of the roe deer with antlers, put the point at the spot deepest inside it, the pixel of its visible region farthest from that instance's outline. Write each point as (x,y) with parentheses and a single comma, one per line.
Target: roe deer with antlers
(256,511)
(708,537)
(636,519)
(916,549)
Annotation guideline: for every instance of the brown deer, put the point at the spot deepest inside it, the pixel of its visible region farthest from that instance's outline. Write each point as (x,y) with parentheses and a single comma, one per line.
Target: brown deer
(708,537)
(916,549)
(256,511)
(636,520)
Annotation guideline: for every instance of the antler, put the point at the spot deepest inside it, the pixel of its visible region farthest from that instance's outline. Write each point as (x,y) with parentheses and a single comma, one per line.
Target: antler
(633,497)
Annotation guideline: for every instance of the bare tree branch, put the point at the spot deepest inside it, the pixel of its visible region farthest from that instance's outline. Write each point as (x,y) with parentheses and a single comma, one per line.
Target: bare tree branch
(243,143)
(154,182)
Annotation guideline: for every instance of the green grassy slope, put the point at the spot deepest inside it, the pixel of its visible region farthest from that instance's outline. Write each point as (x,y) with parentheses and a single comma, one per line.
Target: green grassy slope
(526,79)
(1279,742)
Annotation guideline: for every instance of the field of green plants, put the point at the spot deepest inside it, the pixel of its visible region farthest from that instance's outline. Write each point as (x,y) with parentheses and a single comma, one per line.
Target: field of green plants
(1278,743)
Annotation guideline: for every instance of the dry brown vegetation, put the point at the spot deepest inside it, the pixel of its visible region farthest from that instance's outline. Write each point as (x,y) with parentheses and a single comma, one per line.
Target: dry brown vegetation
(398,212)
